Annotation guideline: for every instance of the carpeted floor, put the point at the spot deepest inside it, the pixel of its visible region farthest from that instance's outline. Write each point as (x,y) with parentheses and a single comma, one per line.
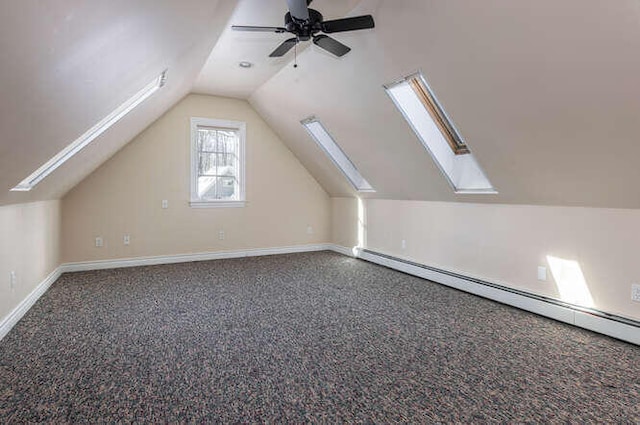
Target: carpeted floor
(315,337)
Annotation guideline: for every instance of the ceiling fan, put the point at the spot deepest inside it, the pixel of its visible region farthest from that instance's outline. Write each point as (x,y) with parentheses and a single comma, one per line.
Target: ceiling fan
(306,23)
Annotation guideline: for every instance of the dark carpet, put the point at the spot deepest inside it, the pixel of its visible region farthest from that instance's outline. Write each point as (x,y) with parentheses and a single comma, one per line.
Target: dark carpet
(315,337)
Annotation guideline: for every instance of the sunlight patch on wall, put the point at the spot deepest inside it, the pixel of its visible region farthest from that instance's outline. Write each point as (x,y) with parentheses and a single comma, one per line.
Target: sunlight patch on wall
(570,281)
(361,228)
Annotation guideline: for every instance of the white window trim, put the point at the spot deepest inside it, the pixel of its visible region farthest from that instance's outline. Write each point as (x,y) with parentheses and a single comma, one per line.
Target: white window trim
(195,201)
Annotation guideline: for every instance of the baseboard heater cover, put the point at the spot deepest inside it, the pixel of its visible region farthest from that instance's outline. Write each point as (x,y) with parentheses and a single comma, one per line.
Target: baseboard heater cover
(595,320)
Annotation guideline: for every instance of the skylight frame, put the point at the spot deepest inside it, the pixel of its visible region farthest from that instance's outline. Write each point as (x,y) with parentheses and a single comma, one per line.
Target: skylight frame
(439,116)
(90,135)
(353,173)
(459,148)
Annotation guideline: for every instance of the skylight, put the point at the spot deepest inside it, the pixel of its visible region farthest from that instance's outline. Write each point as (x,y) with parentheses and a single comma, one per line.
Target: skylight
(413,97)
(91,134)
(331,148)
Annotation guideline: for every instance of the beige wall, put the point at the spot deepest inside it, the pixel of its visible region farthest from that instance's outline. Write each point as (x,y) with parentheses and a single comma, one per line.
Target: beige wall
(344,215)
(506,243)
(29,246)
(124,195)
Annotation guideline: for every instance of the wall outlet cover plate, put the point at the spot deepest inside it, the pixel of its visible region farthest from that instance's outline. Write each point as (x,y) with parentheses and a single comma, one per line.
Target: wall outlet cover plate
(635,292)
(542,273)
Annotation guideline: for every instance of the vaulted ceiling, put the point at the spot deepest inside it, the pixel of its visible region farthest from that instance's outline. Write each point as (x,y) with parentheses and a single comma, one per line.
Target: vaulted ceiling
(545,93)
(66,64)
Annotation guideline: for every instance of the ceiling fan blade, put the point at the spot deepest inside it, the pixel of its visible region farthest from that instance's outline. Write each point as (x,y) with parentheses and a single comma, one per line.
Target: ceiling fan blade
(282,49)
(299,9)
(331,45)
(258,29)
(348,24)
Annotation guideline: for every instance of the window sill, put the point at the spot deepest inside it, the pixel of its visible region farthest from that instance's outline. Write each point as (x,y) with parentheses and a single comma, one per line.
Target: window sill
(217,204)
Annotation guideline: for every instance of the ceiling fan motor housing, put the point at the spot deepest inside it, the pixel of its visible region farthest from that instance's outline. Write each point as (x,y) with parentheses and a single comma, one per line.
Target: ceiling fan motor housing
(306,23)
(304,29)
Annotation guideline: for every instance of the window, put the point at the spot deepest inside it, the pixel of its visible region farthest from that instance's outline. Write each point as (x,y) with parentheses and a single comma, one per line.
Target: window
(331,148)
(413,97)
(90,135)
(217,163)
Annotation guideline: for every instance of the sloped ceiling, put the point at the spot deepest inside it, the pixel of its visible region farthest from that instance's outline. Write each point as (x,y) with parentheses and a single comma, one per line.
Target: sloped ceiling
(66,64)
(546,93)
(221,74)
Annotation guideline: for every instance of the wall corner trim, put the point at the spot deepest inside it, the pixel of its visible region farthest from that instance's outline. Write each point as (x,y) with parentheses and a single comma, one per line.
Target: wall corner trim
(9,321)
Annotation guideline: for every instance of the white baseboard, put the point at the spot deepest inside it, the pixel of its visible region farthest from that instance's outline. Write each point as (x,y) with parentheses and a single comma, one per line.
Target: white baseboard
(184,258)
(12,318)
(342,250)
(562,313)
(613,328)
(21,309)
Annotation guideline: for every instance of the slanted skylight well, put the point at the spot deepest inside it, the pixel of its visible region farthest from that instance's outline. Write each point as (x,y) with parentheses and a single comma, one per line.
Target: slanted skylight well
(339,158)
(90,135)
(413,97)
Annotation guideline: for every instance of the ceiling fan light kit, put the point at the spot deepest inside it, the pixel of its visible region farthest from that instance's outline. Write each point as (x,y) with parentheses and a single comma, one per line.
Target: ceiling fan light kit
(306,24)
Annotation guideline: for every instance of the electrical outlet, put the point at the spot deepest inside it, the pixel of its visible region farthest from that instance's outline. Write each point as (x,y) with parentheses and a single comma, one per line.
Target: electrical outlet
(221,235)
(403,244)
(165,204)
(635,292)
(99,242)
(13,279)
(542,273)
(309,230)
(126,239)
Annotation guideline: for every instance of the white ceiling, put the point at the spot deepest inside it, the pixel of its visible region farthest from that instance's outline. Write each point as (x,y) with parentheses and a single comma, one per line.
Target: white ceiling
(222,76)
(66,64)
(546,93)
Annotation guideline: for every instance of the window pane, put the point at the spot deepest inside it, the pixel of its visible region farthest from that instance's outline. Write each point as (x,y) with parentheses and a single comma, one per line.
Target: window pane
(226,165)
(207,164)
(226,187)
(206,187)
(206,140)
(226,141)
(331,148)
(428,120)
(214,187)
(217,153)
